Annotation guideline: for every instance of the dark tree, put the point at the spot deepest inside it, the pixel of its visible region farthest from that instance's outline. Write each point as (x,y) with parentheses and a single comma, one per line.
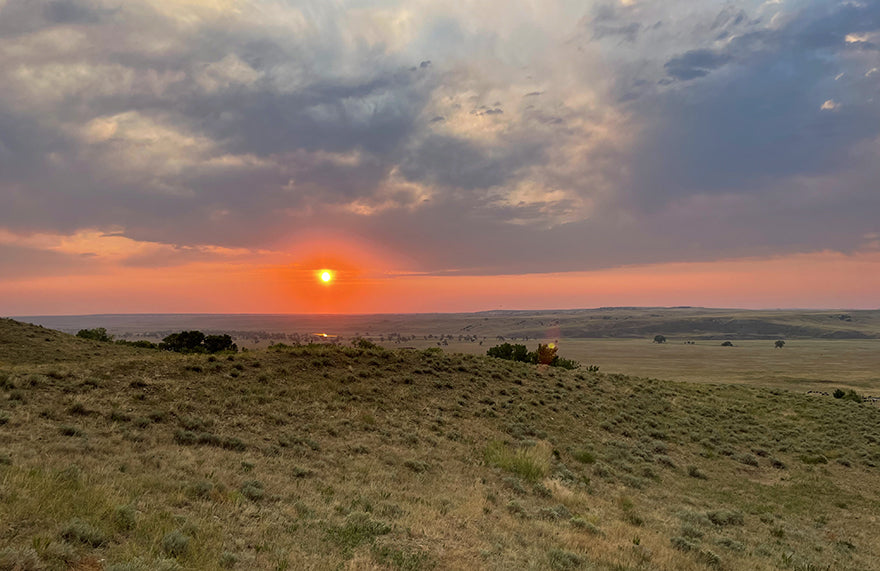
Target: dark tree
(659,339)
(503,351)
(727,344)
(217,343)
(97,334)
(184,342)
(779,344)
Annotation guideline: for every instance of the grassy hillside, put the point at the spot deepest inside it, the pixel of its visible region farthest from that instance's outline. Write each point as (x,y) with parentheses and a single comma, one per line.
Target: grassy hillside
(23,343)
(331,457)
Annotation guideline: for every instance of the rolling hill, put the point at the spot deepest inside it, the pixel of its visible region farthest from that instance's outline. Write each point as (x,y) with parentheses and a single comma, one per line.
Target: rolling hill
(322,456)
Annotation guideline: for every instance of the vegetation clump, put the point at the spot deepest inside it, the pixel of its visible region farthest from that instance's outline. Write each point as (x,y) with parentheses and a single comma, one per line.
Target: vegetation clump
(96,334)
(545,354)
(531,463)
(197,342)
(850,395)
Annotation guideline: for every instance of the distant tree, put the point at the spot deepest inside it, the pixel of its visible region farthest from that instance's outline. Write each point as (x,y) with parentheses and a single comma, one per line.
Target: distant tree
(184,342)
(779,344)
(217,343)
(659,339)
(503,351)
(142,343)
(520,353)
(727,344)
(97,334)
(546,354)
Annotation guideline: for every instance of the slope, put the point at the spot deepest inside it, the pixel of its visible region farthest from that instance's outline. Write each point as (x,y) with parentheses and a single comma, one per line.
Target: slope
(366,458)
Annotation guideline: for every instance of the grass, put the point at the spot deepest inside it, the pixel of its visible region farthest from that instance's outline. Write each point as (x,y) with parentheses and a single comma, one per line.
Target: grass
(413,459)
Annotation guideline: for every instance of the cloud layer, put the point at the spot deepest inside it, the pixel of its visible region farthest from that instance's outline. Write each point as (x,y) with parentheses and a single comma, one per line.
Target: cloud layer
(472,138)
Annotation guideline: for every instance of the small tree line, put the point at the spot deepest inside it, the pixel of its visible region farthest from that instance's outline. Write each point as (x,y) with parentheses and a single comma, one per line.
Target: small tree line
(545,354)
(182,342)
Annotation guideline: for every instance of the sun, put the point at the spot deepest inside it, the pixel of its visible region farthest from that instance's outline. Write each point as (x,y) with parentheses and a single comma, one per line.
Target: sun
(326,276)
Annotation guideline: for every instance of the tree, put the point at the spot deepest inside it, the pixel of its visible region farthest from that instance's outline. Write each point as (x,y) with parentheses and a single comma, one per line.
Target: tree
(779,344)
(217,343)
(184,342)
(659,339)
(727,344)
(547,354)
(97,334)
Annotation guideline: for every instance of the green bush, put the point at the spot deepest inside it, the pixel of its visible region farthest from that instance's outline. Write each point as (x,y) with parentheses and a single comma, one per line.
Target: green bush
(79,531)
(197,342)
(175,544)
(97,334)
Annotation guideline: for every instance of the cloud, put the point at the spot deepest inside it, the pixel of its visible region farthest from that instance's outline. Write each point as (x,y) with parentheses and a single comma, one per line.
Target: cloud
(695,63)
(465,137)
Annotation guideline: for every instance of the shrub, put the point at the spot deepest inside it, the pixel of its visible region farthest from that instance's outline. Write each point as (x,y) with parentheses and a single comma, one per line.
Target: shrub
(695,472)
(175,544)
(530,463)
(358,528)
(124,518)
(228,560)
(731,544)
(253,490)
(184,342)
(20,560)
(682,544)
(584,456)
(710,558)
(546,354)
(68,430)
(562,560)
(97,334)
(140,343)
(725,517)
(79,531)
(217,343)
(659,339)
(727,344)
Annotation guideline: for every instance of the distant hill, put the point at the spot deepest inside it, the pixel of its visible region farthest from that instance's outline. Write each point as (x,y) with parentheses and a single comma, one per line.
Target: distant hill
(690,322)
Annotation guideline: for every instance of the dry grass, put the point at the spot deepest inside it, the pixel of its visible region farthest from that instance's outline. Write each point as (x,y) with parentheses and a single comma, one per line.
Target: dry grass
(377,459)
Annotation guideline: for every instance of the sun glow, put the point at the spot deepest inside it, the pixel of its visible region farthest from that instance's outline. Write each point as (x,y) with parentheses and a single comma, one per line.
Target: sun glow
(326,276)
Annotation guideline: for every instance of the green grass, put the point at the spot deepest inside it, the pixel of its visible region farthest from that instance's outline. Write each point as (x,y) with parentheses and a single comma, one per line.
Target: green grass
(412,459)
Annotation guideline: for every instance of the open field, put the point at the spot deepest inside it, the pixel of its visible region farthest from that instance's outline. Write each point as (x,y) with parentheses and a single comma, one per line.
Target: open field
(620,322)
(322,457)
(802,365)
(843,352)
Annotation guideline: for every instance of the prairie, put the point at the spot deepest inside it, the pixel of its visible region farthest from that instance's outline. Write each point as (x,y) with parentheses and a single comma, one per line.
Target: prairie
(801,365)
(364,457)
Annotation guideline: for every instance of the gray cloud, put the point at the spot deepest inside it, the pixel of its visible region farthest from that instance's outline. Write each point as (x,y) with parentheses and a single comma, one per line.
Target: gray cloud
(695,63)
(616,134)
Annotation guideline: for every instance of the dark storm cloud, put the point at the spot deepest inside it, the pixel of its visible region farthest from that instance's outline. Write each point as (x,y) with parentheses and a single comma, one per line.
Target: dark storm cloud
(695,63)
(19,17)
(458,163)
(762,120)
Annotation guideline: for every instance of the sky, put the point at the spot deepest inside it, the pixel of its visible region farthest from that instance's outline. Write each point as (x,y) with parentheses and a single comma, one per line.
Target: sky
(213,156)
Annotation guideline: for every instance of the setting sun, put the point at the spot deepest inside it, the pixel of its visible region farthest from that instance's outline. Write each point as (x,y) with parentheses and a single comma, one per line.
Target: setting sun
(326,276)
